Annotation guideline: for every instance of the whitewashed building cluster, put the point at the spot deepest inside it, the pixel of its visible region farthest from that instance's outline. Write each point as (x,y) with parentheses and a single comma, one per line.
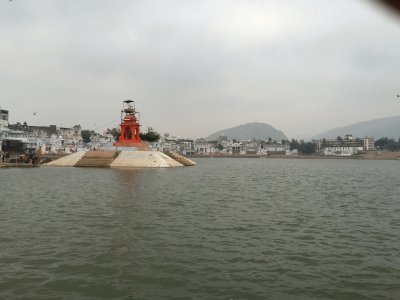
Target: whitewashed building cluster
(223,146)
(346,146)
(50,139)
(53,139)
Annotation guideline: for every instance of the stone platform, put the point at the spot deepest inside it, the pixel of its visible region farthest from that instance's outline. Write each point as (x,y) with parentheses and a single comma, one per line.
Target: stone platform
(119,159)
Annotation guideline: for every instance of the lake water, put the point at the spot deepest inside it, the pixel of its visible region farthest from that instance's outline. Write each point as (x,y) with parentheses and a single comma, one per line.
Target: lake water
(224,229)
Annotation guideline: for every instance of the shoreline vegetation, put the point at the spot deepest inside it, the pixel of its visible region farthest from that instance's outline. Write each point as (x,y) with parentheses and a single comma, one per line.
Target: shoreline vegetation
(373,155)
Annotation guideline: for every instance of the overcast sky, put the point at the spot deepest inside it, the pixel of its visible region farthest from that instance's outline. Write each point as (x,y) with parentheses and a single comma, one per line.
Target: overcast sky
(195,67)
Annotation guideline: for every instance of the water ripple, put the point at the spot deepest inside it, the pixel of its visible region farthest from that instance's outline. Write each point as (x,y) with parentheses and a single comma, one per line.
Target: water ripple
(225,229)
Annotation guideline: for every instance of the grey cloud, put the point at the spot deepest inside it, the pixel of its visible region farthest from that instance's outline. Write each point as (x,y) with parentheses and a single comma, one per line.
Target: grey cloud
(195,67)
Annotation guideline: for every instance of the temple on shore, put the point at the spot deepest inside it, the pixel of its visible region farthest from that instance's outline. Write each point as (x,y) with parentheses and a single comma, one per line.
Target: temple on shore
(129,127)
(128,151)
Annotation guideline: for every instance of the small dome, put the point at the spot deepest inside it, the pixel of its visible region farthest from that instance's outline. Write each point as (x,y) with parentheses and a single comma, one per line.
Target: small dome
(130,118)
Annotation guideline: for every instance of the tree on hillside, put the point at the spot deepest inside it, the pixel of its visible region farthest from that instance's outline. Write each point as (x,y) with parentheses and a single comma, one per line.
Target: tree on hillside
(323,143)
(150,136)
(115,132)
(387,144)
(294,144)
(86,136)
(307,148)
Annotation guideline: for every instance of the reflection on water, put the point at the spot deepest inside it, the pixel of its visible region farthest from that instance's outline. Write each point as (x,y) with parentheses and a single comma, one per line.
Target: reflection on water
(128,178)
(225,229)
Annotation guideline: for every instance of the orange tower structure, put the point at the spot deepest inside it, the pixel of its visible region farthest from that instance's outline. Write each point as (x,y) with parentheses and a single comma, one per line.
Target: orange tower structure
(130,127)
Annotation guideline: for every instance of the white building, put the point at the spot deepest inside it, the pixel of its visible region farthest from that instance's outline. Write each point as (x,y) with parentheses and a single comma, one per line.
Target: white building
(342,151)
(204,148)
(369,144)
(236,148)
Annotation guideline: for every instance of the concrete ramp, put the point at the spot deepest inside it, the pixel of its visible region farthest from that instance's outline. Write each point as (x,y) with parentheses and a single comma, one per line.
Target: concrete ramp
(97,159)
(143,159)
(67,161)
(180,158)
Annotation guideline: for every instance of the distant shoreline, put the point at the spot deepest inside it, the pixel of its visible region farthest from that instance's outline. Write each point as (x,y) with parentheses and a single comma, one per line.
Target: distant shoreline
(375,156)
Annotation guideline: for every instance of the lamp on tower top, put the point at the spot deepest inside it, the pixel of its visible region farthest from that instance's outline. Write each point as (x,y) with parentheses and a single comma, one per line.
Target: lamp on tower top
(128,108)
(130,127)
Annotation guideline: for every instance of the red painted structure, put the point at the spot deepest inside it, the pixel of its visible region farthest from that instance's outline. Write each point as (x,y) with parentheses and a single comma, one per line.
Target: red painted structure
(130,127)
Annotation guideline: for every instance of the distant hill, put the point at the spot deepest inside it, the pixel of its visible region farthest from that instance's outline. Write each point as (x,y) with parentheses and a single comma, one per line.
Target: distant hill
(378,128)
(260,131)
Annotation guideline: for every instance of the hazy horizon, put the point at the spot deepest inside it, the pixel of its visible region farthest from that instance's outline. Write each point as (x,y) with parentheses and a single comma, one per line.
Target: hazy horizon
(194,68)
